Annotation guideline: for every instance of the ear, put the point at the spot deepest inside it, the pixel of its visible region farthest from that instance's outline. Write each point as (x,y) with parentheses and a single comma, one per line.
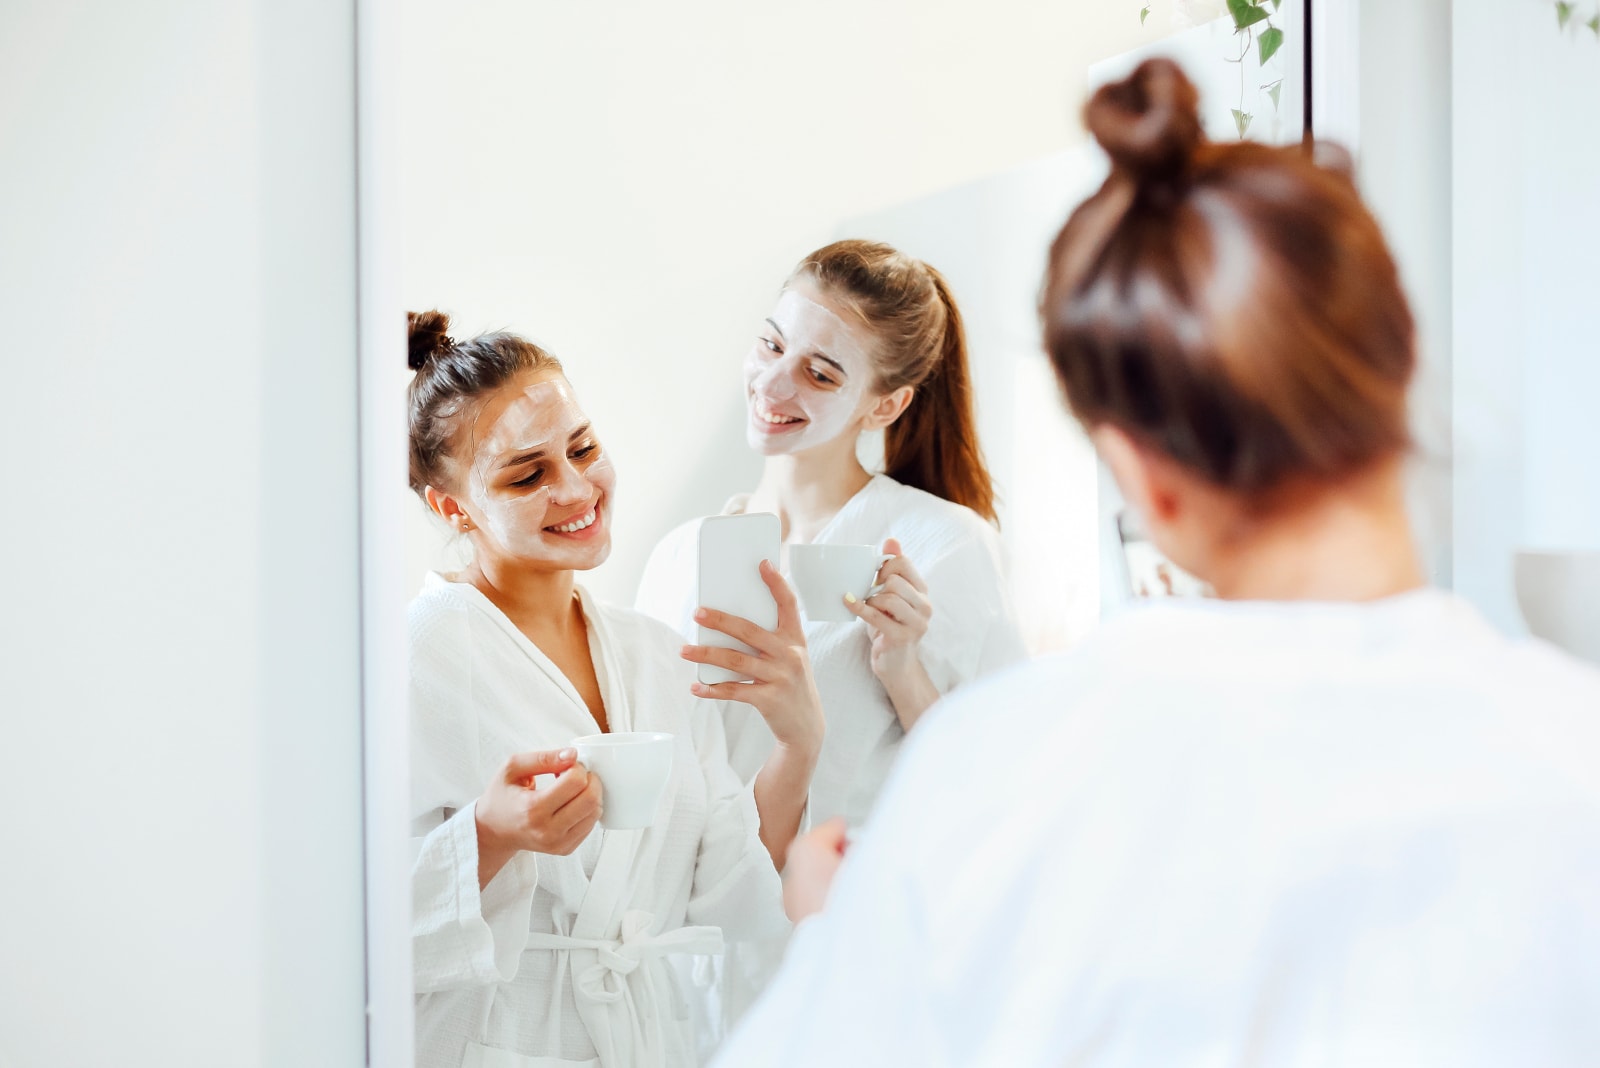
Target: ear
(447,508)
(1151,484)
(887,408)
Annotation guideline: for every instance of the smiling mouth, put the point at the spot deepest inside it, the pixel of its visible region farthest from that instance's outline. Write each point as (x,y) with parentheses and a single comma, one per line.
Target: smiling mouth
(772,418)
(583,522)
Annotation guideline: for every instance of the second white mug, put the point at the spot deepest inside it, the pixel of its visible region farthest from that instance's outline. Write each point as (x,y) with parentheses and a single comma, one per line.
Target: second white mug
(634,769)
(823,574)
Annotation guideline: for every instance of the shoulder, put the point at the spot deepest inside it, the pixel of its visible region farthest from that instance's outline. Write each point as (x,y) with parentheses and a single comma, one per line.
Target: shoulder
(678,538)
(929,519)
(1128,666)
(437,614)
(638,634)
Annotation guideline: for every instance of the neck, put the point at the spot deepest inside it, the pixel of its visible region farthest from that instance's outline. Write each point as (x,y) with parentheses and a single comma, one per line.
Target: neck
(808,489)
(1349,544)
(536,601)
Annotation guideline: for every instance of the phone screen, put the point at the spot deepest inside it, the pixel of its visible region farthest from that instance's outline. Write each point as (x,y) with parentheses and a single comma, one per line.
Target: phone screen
(731,550)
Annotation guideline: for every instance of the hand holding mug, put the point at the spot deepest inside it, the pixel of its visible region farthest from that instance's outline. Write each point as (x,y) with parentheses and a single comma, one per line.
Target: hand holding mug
(782,688)
(514,815)
(897,612)
(814,860)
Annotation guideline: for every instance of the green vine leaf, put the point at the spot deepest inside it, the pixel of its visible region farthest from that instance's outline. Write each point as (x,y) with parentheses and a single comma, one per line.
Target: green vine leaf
(1594,24)
(1245,14)
(1274,91)
(1241,120)
(1564,12)
(1276,4)
(1271,40)
(1144,14)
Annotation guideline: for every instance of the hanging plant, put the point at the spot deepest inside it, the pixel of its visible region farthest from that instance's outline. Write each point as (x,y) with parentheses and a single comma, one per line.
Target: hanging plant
(1573,14)
(1252,23)
(1256,30)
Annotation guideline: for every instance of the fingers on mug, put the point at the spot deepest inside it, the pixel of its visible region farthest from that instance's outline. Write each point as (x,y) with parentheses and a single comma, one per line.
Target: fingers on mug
(877,587)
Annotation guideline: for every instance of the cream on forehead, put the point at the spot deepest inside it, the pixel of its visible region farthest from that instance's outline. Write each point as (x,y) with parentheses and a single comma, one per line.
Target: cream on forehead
(805,322)
(543,412)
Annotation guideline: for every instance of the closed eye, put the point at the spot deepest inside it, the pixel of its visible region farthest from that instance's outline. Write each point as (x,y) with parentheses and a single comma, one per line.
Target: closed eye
(532,479)
(585,452)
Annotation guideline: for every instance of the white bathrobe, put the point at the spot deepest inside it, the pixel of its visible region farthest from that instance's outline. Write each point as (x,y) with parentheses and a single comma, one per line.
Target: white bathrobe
(1225,834)
(973,632)
(562,960)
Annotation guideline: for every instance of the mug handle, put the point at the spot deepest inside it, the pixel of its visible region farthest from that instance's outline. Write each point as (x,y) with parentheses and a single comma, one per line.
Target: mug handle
(877,587)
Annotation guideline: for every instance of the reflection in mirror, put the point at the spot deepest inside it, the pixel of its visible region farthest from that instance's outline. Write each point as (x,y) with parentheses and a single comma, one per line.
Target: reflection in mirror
(769,268)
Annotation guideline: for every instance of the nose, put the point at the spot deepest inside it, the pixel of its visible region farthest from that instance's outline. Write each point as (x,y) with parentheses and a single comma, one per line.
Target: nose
(775,381)
(568,485)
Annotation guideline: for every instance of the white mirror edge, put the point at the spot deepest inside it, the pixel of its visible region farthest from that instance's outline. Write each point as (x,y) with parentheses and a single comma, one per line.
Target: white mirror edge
(386,765)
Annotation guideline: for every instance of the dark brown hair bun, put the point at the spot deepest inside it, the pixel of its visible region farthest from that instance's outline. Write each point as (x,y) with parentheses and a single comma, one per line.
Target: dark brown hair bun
(1148,123)
(428,337)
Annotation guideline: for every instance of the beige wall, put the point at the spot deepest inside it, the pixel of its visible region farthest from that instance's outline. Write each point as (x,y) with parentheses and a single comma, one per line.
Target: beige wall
(629,184)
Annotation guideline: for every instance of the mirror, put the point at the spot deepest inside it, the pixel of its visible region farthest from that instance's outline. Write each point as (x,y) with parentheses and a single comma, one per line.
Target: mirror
(632,190)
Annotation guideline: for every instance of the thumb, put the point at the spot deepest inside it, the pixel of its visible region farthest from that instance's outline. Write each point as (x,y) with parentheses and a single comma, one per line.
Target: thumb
(891,547)
(521,767)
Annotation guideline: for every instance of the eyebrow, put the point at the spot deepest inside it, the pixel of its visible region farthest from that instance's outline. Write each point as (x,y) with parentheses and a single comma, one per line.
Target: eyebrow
(534,454)
(823,356)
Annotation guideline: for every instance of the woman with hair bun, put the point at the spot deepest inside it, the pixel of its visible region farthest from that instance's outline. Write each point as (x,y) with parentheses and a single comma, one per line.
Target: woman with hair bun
(1330,818)
(540,938)
(863,338)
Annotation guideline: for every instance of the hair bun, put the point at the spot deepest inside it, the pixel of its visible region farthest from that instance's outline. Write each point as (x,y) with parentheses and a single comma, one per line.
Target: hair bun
(1149,122)
(428,337)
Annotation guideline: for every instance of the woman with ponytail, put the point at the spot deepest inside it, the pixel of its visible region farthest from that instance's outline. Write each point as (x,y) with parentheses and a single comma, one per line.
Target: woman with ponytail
(864,338)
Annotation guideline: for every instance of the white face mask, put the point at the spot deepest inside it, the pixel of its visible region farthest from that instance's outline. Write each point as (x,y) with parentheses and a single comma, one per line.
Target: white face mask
(808,377)
(538,482)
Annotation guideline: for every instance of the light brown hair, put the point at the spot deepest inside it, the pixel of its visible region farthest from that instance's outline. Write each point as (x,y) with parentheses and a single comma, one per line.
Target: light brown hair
(450,376)
(1233,306)
(919,342)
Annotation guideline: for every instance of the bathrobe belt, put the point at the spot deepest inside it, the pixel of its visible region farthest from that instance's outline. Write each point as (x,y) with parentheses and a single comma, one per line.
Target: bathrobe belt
(603,989)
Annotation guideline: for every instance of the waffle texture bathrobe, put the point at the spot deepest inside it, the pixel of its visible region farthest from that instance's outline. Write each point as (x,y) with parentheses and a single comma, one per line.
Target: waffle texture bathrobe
(567,960)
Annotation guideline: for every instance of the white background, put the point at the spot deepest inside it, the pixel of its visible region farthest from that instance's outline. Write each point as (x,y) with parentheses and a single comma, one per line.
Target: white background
(181,881)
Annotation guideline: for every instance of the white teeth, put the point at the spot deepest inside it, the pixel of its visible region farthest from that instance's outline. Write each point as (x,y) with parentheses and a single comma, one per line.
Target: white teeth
(774,418)
(576,525)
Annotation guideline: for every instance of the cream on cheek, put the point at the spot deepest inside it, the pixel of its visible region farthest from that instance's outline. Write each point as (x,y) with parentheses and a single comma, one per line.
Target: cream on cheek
(514,517)
(785,380)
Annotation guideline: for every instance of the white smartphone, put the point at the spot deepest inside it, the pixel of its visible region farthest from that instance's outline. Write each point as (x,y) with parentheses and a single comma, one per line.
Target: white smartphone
(731,550)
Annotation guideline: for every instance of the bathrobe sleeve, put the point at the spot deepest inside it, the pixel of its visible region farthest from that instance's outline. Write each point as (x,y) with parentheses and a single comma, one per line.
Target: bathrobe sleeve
(735,885)
(459,936)
(974,628)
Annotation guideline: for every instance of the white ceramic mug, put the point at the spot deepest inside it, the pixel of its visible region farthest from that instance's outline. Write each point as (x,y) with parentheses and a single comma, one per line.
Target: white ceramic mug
(823,574)
(634,768)
(1559,594)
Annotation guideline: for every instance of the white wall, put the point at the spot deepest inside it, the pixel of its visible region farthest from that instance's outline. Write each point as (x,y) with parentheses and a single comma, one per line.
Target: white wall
(630,183)
(1403,147)
(1526,231)
(180,774)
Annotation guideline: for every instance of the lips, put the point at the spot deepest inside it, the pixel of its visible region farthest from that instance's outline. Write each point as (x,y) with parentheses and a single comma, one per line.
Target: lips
(768,417)
(579,523)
